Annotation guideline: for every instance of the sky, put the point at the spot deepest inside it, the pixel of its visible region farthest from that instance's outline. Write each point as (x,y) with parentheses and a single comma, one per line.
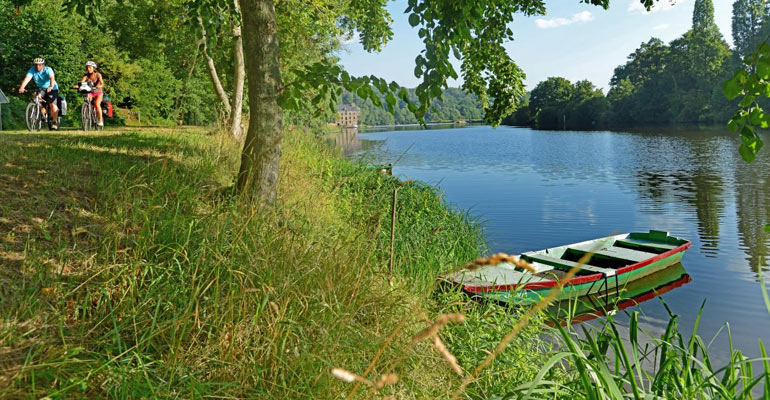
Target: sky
(573,40)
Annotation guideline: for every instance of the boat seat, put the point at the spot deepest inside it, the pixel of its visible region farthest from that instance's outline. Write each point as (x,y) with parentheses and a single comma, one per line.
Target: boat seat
(646,243)
(570,264)
(616,252)
(540,267)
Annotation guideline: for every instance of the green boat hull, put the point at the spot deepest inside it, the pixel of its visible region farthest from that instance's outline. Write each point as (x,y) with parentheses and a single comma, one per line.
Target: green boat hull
(612,263)
(530,296)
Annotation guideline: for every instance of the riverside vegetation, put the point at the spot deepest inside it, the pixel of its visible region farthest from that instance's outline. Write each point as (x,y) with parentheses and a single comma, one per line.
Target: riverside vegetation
(129,270)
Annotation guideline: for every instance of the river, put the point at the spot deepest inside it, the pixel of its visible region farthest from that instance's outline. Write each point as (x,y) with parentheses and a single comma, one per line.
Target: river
(537,189)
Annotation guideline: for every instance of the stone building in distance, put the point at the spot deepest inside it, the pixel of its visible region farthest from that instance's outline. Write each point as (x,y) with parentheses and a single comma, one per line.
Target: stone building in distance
(348,115)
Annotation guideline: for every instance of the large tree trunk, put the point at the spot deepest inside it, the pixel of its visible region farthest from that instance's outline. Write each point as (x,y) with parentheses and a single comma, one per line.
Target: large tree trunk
(239,75)
(213,70)
(258,175)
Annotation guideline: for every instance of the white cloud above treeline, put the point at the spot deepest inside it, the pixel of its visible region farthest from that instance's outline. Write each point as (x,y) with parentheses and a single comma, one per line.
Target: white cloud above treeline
(543,23)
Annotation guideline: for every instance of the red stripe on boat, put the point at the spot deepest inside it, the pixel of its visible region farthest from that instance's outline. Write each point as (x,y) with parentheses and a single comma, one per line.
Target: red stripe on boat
(576,280)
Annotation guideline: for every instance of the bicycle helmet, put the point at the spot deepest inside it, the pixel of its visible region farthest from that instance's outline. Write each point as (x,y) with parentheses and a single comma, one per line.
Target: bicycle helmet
(91,64)
(38,60)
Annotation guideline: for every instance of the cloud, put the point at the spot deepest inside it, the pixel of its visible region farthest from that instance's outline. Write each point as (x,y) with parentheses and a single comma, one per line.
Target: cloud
(352,39)
(543,23)
(660,27)
(636,7)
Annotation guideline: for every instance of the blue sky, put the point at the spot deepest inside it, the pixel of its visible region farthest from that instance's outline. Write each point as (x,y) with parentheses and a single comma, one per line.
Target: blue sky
(573,40)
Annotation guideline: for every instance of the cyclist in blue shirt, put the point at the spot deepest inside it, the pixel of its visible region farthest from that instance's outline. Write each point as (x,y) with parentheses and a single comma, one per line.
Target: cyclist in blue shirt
(44,79)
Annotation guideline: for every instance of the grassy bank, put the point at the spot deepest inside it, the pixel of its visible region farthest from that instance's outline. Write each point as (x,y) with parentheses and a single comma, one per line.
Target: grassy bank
(129,271)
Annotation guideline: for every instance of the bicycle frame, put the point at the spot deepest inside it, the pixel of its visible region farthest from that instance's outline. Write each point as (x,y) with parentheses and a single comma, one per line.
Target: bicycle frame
(88,115)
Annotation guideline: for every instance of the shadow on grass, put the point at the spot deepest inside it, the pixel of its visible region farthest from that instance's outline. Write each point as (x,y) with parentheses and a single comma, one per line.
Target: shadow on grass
(54,221)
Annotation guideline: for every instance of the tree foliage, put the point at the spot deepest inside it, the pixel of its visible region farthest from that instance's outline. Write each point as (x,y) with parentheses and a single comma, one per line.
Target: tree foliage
(703,15)
(659,84)
(455,105)
(143,48)
(748,23)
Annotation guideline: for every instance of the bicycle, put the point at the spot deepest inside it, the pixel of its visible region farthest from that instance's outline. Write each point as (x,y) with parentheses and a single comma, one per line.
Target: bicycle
(88,115)
(34,113)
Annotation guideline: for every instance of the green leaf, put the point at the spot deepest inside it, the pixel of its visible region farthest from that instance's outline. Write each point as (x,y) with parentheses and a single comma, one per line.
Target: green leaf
(417,71)
(766,228)
(750,146)
(747,132)
(733,125)
(414,19)
(422,32)
(746,153)
(746,101)
(757,116)
(763,69)
(731,88)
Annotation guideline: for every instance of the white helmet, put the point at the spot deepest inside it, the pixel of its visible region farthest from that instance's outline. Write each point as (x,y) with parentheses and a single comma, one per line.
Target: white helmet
(91,64)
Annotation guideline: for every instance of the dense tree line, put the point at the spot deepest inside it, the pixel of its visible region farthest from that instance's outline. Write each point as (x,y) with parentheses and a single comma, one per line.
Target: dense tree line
(454,105)
(675,83)
(157,57)
(150,76)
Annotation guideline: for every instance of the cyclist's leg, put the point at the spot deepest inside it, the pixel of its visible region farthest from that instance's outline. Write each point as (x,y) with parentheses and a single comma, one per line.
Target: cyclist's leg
(98,100)
(50,99)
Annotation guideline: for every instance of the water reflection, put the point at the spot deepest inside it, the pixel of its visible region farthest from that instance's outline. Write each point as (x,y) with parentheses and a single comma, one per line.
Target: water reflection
(753,210)
(347,140)
(632,294)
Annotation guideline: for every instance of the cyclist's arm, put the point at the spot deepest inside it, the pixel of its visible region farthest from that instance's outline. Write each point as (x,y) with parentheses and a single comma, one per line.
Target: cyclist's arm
(53,82)
(99,81)
(81,81)
(24,83)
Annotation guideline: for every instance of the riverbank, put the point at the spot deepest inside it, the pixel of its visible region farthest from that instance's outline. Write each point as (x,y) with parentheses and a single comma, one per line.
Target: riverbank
(129,271)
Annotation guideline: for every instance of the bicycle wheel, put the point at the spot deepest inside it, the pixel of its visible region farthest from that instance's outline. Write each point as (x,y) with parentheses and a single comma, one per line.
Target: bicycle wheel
(95,119)
(32,116)
(85,117)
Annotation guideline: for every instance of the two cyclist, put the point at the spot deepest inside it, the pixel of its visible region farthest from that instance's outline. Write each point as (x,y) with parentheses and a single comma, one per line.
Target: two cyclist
(94,79)
(44,79)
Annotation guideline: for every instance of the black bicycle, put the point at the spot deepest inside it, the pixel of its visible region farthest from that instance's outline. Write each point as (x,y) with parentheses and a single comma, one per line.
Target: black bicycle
(37,112)
(88,114)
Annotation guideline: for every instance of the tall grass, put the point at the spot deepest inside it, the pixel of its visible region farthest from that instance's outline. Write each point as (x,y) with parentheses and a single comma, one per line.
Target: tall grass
(130,271)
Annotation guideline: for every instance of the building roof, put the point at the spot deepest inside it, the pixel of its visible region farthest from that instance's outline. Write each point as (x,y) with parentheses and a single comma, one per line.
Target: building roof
(348,107)
(3,99)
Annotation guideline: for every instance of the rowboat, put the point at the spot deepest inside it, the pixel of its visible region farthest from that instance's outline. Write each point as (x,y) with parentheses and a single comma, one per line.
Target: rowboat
(614,261)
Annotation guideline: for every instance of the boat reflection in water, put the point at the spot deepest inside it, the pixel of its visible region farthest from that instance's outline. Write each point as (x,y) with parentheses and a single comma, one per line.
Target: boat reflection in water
(633,293)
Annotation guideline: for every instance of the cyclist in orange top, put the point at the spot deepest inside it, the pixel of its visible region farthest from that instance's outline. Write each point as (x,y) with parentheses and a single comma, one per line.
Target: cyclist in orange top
(95,80)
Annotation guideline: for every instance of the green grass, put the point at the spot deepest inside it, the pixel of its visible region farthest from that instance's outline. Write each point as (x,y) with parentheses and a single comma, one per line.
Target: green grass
(128,270)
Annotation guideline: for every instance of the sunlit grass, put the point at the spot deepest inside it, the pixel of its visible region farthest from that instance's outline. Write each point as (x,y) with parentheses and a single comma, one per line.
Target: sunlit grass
(129,270)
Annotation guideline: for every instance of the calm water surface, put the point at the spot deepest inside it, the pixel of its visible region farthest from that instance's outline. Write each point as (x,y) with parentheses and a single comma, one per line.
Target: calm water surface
(537,189)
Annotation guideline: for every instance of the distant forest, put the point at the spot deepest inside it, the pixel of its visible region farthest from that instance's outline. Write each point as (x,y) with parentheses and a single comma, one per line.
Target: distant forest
(660,84)
(455,105)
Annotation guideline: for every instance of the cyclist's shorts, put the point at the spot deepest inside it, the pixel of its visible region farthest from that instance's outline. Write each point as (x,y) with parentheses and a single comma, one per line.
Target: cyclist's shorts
(95,94)
(51,96)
